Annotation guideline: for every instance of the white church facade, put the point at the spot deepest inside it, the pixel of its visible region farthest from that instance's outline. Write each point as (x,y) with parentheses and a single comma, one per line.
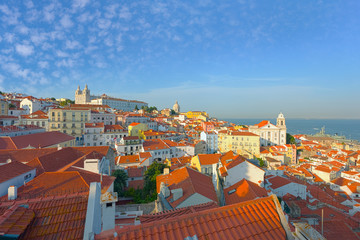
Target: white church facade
(84,97)
(270,134)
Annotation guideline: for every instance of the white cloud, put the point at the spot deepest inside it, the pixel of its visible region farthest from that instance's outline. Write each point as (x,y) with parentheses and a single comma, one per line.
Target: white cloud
(43,64)
(23,29)
(104,23)
(9,37)
(80,3)
(38,38)
(29,4)
(44,81)
(16,70)
(125,13)
(72,44)
(60,53)
(66,21)
(65,63)
(49,15)
(24,49)
(111,10)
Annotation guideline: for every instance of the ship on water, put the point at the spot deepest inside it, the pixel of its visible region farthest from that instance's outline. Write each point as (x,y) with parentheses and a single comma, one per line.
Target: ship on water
(336,137)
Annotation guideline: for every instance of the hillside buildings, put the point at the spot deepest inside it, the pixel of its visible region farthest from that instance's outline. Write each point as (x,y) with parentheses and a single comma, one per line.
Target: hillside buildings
(84,97)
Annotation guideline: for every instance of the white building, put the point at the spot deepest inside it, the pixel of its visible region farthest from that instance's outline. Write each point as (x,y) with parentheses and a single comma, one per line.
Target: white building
(15,174)
(238,169)
(211,139)
(282,186)
(98,116)
(98,134)
(270,134)
(84,97)
(30,105)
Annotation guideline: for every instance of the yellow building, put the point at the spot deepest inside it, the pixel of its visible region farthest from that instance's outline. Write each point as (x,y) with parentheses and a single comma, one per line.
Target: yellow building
(204,162)
(70,121)
(198,115)
(244,143)
(135,129)
(4,107)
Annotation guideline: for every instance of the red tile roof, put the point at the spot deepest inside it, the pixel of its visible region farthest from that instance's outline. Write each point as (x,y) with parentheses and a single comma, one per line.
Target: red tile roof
(24,155)
(15,220)
(127,159)
(209,159)
(191,181)
(60,183)
(36,140)
(13,169)
(278,181)
(176,212)
(60,217)
(257,219)
(243,190)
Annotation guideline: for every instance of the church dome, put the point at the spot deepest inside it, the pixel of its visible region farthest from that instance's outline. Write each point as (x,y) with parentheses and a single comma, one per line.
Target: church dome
(176,107)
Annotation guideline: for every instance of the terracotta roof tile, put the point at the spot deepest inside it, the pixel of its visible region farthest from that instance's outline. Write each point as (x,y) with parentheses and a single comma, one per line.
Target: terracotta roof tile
(55,217)
(24,155)
(191,181)
(257,219)
(39,140)
(209,159)
(243,190)
(13,169)
(176,212)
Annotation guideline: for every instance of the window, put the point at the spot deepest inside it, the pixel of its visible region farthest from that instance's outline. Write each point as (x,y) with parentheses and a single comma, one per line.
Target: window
(108,204)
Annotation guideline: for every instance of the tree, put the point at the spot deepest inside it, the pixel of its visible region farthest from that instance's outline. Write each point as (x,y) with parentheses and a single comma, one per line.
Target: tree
(261,162)
(12,105)
(290,139)
(173,112)
(53,99)
(151,173)
(120,181)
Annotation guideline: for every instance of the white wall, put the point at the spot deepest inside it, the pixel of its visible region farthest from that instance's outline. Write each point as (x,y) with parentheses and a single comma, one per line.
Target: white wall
(244,170)
(295,189)
(16,181)
(194,199)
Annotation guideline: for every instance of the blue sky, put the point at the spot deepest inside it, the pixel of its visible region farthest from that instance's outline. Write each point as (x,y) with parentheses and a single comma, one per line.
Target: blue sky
(234,59)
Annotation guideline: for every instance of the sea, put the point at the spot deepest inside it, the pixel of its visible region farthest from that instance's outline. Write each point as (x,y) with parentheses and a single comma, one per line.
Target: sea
(350,128)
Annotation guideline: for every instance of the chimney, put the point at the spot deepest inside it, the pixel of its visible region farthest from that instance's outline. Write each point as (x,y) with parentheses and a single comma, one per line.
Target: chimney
(166,171)
(164,190)
(12,192)
(59,147)
(177,193)
(8,161)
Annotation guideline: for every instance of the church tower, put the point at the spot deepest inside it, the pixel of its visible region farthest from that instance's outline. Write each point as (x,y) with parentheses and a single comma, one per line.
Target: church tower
(280,121)
(82,97)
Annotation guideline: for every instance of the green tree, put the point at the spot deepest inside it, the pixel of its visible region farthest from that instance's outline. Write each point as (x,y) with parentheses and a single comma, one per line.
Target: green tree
(53,99)
(12,105)
(120,181)
(261,162)
(136,108)
(290,139)
(173,112)
(154,170)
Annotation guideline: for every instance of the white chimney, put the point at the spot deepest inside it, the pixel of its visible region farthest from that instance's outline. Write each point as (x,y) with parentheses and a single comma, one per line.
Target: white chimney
(12,192)
(164,190)
(59,147)
(177,193)
(8,161)
(166,171)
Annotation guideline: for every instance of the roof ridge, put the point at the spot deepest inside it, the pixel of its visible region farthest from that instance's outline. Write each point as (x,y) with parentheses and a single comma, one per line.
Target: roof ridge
(82,178)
